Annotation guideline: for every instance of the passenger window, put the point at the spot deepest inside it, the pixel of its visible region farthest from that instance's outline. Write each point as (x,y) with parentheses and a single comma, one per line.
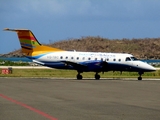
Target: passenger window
(61,57)
(89,58)
(107,59)
(119,60)
(66,57)
(77,58)
(71,57)
(128,59)
(95,58)
(83,58)
(114,59)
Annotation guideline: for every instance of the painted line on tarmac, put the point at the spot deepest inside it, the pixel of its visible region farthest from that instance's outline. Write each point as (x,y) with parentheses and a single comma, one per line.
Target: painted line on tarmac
(28,107)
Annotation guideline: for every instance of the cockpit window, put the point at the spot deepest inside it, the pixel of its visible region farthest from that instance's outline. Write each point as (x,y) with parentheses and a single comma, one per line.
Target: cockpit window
(128,59)
(133,58)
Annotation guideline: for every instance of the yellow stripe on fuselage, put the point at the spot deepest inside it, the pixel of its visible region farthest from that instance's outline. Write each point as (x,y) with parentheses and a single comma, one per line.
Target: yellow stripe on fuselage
(43,49)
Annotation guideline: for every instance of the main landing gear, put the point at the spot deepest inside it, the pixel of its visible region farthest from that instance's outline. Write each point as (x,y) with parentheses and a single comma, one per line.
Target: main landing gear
(80,77)
(97,77)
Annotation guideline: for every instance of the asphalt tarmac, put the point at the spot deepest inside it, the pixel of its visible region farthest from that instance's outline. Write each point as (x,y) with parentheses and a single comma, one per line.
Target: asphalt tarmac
(71,99)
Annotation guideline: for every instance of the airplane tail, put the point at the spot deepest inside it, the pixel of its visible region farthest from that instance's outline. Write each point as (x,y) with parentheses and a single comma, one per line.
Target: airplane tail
(29,44)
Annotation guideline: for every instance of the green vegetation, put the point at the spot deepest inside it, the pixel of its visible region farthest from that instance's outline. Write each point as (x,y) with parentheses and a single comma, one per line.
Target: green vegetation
(10,63)
(72,74)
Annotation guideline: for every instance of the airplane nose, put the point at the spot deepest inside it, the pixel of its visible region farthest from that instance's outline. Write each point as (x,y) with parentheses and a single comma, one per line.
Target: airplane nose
(146,67)
(151,68)
(154,69)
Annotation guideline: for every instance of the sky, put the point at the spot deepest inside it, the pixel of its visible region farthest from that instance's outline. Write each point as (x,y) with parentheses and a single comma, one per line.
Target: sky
(56,20)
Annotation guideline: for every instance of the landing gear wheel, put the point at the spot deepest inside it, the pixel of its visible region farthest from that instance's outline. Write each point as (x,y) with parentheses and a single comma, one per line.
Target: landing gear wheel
(97,77)
(79,77)
(140,74)
(139,78)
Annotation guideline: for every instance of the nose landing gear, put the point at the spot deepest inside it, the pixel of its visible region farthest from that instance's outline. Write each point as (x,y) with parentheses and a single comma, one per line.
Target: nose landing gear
(139,78)
(140,74)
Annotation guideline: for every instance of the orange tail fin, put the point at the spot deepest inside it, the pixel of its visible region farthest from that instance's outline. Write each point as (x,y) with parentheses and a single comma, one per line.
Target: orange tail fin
(29,43)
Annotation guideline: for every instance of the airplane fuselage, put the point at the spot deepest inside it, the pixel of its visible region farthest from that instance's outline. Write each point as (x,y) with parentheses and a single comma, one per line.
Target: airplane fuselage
(93,60)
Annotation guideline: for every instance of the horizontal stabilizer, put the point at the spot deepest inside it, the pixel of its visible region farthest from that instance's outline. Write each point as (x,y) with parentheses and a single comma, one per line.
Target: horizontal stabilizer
(15,30)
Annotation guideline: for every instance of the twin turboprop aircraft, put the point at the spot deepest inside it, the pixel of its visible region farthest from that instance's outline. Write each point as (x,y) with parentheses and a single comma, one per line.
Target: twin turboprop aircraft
(80,61)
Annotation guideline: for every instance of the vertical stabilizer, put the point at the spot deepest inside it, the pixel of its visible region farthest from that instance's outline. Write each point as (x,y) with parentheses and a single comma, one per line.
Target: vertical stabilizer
(27,39)
(29,44)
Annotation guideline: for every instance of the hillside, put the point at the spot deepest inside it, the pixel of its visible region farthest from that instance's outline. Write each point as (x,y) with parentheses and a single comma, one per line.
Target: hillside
(148,48)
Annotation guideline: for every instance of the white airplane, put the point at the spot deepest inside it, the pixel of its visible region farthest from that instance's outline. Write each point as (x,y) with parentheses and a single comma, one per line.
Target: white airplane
(80,61)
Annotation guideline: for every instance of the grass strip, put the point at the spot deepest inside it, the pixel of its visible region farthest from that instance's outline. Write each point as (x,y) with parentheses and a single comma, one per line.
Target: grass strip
(72,74)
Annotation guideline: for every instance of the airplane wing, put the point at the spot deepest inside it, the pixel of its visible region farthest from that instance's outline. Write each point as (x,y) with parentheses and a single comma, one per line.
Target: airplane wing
(75,65)
(88,65)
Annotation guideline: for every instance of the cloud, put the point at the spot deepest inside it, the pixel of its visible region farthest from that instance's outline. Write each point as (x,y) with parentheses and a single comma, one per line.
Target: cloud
(55,7)
(61,8)
(117,9)
(111,10)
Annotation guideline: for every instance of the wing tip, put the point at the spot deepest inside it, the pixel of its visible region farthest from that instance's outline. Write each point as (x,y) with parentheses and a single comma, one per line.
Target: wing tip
(6,29)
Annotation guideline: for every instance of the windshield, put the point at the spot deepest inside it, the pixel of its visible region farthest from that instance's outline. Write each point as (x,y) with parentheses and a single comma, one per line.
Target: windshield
(133,58)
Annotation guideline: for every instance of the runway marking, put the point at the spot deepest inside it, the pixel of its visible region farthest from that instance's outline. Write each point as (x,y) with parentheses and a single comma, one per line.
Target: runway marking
(28,107)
